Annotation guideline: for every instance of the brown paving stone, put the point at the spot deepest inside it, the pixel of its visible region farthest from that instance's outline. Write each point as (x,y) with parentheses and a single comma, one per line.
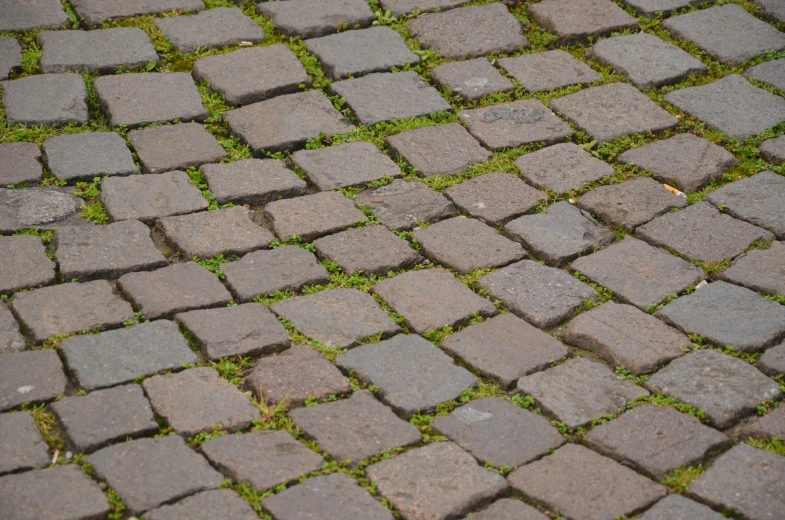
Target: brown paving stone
(495,198)
(370,249)
(30,377)
(471,79)
(345,165)
(401,205)
(577,21)
(312,216)
(252,181)
(540,71)
(313,18)
(25,264)
(175,147)
(22,448)
(20,163)
(562,168)
(758,200)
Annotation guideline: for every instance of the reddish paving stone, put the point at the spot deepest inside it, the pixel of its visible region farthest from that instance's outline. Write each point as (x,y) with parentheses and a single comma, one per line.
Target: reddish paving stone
(677,507)
(45,99)
(29,15)
(313,18)
(508,509)
(757,200)
(373,250)
(214,28)
(219,503)
(562,168)
(770,426)
(540,71)
(772,362)
(345,165)
(495,198)
(25,264)
(20,163)
(85,156)
(152,196)
(95,12)
(471,79)
(312,216)
(29,377)
(175,147)
(23,448)
(578,21)
(252,181)
(402,205)
(11,340)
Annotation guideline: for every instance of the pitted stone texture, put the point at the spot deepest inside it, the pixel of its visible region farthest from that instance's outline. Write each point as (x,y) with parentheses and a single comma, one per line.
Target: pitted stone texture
(385,96)
(70,307)
(22,448)
(631,203)
(499,433)
(650,8)
(543,296)
(148,473)
(29,377)
(11,340)
(10,56)
(345,165)
(401,205)
(214,28)
(152,196)
(82,157)
(370,249)
(399,7)
(685,161)
(412,375)
(562,168)
(495,198)
(312,216)
(772,362)
(578,483)
(20,162)
(355,429)
(172,147)
(29,15)
(45,99)
(540,71)
(770,72)
(38,208)
(431,299)
(96,12)
(103,51)
(758,200)
(471,79)
(313,18)
(246,330)
(731,105)
(105,416)
(558,234)
(677,507)
(207,505)
(772,151)
(252,181)
(767,427)
(509,125)
(508,509)
(470,32)
(578,21)
(25,264)
(771,10)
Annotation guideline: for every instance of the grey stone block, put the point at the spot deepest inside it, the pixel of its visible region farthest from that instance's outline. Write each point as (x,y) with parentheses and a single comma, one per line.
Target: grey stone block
(313,18)
(399,7)
(677,507)
(25,264)
(214,28)
(312,216)
(95,12)
(38,208)
(372,250)
(579,21)
(508,509)
(32,376)
(495,198)
(152,196)
(759,270)
(541,71)
(219,503)
(82,157)
(252,181)
(402,205)
(769,426)
(650,8)
(347,165)
(471,79)
(773,150)
(20,163)
(758,200)
(769,72)
(175,147)
(10,56)
(11,340)
(45,99)
(562,168)
(29,15)
(23,448)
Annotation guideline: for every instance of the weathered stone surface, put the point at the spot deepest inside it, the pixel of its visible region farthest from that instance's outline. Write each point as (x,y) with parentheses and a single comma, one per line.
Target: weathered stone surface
(70,307)
(772,151)
(549,70)
(37,208)
(471,79)
(95,12)
(173,147)
(25,264)
(82,157)
(151,196)
(499,433)
(508,509)
(105,416)
(650,8)
(385,96)
(10,56)
(312,18)
(543,296)
(355,429)
(399,7)
(758,200)
(252,181)
(177,288)
(466,245)
(22,448)
(345,165)
(612,111)
(370,249)
(578,21)
(772,362)
(631,203)
(214,28)
(562,168)
(45,99)
(87,253)
(11,340)
(509,125)
(685,161)
(495,198)
(312,216)
(677,507)
(29,15)
(103,51)
(767,427)
(401,205)
(19,162)
(558,234)
(246,330)
(136,99)
(772,10)
(731,105)
(769,72)
(219,503)
(579,483)
(29,377)
(121,356)
(411,374)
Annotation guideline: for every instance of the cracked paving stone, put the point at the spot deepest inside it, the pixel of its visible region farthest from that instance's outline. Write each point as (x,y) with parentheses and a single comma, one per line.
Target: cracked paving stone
(650,8)
(30,377)
(412,375)
(252,181)
(402,205)
(579,21)
(758,200)
(10,56)
(121,356)
(373,250)
(45,99)
(25,264)
(95,12)
(562,168)
(11,340)
(499,433)
(207,505)
(348,165)
(88,253)
(540,71)
(603,488)
(355,429)
(771,10)
(82,157)
(625,336)
(20,163)
(495,198)
(38,208)
(770,72)
(770,426)
(543,296)
(677,507)
(471,79)
(29,15)
(177,288)
(106,416)
(246,330)
(772,151)
(399,7)
(772,362)
(23,448)
(724,387)
(339,318)
(611,111)
(438,481)
(175,147)
(214,28)
(314,18)
(508,509)
(312,216)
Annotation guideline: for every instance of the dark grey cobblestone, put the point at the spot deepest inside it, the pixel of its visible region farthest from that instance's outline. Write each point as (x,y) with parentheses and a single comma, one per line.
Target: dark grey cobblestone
(19,163)
(28,15)
(772,362)
(82,157)
(175,147)
(508,509)
(399,7)
(252,181)
(151,196)
(562,168)
(48,99)
(22,448)
(677,507)
(312,216)
(30,377)
(11,340)
(770,72)
(95,12)
(757,199)
(10,56)
(214,28)
(770,426)
(38,208)
(25,264)
(773,150)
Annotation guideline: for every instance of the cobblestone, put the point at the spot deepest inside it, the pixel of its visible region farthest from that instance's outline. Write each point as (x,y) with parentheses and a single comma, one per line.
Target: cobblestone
(772,362)
(562,168)
(23,448)
(38,208)
(471,79)
(756,200)
(48,99)
(31,377)
(29,15)
(96,12)
(82,157)
(11,340)
(402,205)
(399,7)
(541,71)
(772,150)
(25,264)
(205,506)
(10,56)
(256,182)
(313,18)
(373,250)
(151,196)
(495,198)
(575,22)
(20,163)
(347,165)
(770,72)
(175,147)
(214,28)
(312,216)
(677,507)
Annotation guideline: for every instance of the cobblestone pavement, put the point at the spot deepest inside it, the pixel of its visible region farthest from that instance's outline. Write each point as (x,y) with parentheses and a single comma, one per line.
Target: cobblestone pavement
(376,259)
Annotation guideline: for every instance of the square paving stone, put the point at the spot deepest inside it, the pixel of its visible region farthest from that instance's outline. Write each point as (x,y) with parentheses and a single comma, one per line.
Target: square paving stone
(508,509)
(758,200)
(499,433)
(165,148)
(331,496)
(355,429)
(495,198)
(411,374)
(431,299)
(252,181)
(313,18)
(148,473)
(543,296)
(104,51)
(96,12)
(214,28)
(340,318)
(470,32)
(287,268)
(769,72)
(399,7)
(771,10)
(70,307)
(123,355)
(207,505)
(285,123)
(45,99)
(677,507)
(772,362)
(685,161)
(82,157)
(345,165)
(370,249)
(631,203)
(25,264)
(136,99)
(505,348)
(29,377)
(575,482)
(471,79)
(20,163)
(246,330)
(177,288)
(289,378)
(151,196)
(772,151)
(38,208)
(540,71)
(769,426)
(731,105)
(656,440)
(10,56)
(105,416)
(579,391)
(509,125)
(385,96)
(438,481)
(11,340)
(559,234)
(612,111)
(29,15)
(578,21)
(22,448)
(562,167)
(87,253)
(650,8)
(466,245)
(312,216)
(402,205)
(762,270)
